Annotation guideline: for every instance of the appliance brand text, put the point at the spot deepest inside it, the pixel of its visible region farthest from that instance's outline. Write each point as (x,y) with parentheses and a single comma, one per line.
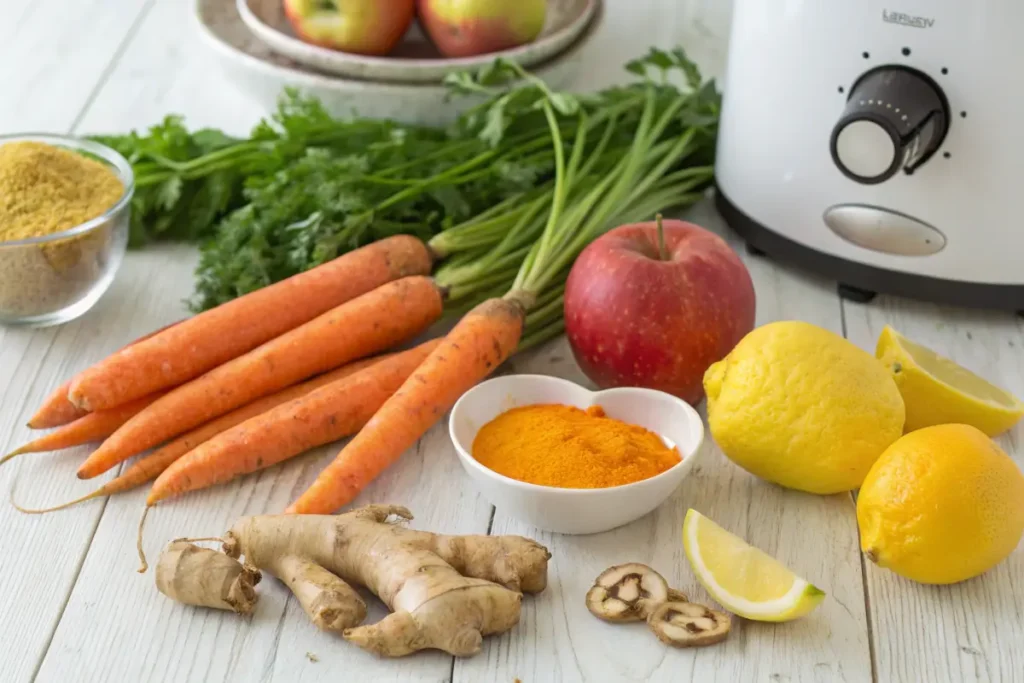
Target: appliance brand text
(907,19)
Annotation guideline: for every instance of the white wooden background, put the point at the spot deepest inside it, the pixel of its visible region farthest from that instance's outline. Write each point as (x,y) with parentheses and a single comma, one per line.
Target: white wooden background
(72,607)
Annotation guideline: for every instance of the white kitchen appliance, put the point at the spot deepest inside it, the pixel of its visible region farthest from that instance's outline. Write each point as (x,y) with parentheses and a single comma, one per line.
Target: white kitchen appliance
(879,143)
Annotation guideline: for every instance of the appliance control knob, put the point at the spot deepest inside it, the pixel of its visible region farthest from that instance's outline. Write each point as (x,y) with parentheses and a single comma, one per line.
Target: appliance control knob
(895,117)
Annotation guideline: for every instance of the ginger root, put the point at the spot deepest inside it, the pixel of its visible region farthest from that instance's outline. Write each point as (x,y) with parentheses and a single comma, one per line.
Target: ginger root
(445,592)
(207,578)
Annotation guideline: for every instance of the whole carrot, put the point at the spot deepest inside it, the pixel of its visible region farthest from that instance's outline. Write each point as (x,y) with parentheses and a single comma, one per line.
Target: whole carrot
(379,319)
(326,414)
(151,465)
(57,410)
(90,427)
(221,334)
(478,344)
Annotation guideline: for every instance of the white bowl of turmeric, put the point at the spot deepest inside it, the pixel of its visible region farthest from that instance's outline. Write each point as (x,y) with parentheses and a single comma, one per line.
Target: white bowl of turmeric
(562,458)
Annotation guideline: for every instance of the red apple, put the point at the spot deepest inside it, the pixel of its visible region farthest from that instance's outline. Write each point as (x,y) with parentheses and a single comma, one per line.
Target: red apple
(639,312)
(464,28)
(366,27)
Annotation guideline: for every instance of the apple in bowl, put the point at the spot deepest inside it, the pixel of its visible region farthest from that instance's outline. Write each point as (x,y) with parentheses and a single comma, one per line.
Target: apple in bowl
(366,27)
(655,304)
(466,28)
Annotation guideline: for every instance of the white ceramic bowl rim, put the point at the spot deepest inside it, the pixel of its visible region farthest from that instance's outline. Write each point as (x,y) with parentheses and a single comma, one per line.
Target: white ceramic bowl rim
(124,170)
(302,76)
(479,60)
(573,491)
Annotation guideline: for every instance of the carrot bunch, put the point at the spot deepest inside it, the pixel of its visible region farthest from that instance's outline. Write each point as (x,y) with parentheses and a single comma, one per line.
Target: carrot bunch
(208,377)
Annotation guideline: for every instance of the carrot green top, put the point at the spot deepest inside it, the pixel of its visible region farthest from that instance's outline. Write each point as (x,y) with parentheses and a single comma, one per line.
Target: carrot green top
(46,189)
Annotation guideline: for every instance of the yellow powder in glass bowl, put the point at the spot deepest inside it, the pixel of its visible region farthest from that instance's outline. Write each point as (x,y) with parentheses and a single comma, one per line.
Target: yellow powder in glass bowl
(46,189)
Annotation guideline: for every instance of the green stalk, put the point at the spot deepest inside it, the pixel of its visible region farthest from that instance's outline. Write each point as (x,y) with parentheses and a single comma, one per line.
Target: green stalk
(441,152)
(461,291)
(564,176)
(534,338)
(558,200)
(545,312)
(474,236)
(462,276)
(522,232)
(439,179)
(624,189)
(533,276)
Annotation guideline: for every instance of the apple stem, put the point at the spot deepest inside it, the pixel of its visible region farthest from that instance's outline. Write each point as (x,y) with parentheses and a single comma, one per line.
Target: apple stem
(662,249)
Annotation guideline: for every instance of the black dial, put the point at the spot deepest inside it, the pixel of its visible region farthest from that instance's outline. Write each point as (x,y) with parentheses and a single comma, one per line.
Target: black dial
(895,117)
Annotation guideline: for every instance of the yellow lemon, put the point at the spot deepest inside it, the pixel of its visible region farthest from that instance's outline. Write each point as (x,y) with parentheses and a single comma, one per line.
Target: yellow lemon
(938,391)
(743,579)
(942,504)
(802,407)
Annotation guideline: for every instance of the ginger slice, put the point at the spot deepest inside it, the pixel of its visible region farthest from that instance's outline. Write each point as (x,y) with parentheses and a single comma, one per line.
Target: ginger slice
(206,578)
(627,592)
(445,592)
(685,624)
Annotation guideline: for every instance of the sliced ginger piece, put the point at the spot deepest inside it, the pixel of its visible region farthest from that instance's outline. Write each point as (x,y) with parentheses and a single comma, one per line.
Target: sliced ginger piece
(685,624)
(206,578)
(445,592)
(627,592)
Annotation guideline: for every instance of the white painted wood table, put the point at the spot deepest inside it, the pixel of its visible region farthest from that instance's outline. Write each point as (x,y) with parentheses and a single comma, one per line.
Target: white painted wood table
(72,607)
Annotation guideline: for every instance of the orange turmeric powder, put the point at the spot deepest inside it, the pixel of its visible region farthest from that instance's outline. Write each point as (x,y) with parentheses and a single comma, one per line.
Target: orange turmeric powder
(563,446)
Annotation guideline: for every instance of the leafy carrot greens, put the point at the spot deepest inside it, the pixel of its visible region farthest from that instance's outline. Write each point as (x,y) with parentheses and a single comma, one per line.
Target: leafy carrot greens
(507,195)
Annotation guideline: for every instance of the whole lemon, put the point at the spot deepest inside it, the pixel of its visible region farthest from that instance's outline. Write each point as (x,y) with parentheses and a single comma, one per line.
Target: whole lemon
(802,407)
(943,504)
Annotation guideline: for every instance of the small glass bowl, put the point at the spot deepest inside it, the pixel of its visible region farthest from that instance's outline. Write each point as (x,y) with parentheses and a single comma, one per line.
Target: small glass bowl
(55,278)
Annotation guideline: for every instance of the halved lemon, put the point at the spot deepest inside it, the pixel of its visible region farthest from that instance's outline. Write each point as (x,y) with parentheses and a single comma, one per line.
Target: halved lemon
(937,391)
(744,580)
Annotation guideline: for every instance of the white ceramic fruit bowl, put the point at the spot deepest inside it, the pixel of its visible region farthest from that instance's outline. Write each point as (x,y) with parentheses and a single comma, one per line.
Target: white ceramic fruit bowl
(262,74)
(414,59)
(576,511)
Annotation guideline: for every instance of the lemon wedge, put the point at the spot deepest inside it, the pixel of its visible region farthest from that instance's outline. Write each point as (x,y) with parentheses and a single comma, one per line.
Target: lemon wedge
(743,579)
(937,391)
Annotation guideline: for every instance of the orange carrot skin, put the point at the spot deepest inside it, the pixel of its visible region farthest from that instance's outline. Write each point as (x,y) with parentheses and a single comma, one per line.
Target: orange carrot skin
(150,466)
(57,410)
(478,344)
(90,427)
(327,414)
(379,319)
(153,464)
(221,334)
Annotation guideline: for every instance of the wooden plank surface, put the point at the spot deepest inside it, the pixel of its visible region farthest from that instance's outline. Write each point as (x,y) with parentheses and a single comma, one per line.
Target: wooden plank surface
(104,66)
(970,631)
(54,55)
